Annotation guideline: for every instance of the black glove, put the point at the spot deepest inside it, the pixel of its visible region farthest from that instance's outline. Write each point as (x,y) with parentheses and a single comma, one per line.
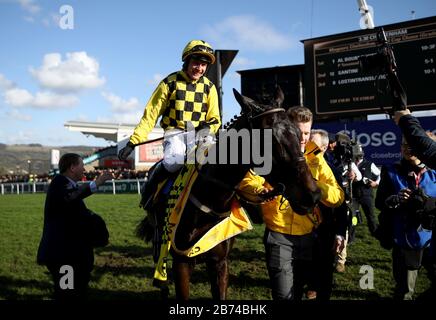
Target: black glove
(392,201)
(124,152)
(204,127)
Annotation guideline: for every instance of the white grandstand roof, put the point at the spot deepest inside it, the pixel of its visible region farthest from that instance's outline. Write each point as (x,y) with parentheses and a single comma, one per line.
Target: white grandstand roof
(107,131)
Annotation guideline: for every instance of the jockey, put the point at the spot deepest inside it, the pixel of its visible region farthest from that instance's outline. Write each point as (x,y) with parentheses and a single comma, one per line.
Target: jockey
(185,99)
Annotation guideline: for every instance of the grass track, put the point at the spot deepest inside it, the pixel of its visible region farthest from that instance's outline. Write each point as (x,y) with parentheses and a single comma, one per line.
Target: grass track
(123,270)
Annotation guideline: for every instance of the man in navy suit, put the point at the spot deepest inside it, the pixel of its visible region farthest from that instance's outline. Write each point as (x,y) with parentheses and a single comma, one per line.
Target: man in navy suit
(65,245)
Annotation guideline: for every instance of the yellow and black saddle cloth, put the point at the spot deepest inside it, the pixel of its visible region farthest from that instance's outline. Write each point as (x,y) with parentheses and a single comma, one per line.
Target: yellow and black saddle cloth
(235,223)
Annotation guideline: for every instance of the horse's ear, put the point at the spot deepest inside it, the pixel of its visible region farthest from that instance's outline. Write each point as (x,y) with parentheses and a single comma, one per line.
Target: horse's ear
(279,96)
(244,102)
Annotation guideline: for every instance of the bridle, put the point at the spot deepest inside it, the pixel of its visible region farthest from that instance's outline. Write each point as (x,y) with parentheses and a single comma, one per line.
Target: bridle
(265,113)
(235,190)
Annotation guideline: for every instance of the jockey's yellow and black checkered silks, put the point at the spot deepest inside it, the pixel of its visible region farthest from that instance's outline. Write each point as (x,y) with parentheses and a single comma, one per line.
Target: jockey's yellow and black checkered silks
(179,100)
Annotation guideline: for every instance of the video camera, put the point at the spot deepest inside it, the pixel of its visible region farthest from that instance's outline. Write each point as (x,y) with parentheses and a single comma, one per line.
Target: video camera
(383,61)
(421,207)
(346,150)
(421,210)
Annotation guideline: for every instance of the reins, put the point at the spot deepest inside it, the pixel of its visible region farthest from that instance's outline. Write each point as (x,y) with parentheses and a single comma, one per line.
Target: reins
(279,190)
(275,110)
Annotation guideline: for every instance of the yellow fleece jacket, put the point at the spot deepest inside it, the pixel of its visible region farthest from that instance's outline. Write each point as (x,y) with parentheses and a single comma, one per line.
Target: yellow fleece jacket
(280,217)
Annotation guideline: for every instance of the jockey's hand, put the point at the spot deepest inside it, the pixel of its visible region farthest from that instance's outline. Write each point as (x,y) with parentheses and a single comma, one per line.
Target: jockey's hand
(202,132)
(126,151)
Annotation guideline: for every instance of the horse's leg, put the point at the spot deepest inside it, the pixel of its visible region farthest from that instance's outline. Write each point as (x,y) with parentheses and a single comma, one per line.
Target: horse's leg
(218,269)
(219,277)
(182,269)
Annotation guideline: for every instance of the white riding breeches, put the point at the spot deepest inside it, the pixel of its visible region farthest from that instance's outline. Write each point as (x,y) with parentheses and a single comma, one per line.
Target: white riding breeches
(176,145)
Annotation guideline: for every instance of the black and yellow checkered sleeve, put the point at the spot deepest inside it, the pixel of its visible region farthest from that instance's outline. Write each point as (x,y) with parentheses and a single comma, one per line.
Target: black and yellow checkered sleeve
(213,113)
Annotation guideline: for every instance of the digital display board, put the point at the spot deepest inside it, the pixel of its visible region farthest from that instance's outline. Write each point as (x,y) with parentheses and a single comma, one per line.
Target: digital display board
(336,85)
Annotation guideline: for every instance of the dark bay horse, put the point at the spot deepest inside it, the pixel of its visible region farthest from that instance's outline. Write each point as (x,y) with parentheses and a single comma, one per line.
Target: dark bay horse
(216,187)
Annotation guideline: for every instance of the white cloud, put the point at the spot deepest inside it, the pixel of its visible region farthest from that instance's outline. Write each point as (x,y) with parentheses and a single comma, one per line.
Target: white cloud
(120,105)
(82,117)
(29,19)
(55,18)
(15,114)
(123,111)
(243,62)
(157,77)
(29,6)
(49,100)
(77,72)
(247,32)
(126,118)
(51,19)
(5,83)
(17,97)
(45,22)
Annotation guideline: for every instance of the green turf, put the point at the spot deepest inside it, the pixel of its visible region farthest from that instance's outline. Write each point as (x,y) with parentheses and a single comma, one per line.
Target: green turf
(123,269)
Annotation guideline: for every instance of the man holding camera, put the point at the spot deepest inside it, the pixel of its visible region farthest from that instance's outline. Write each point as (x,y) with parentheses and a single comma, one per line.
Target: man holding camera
(405,192)
(343,162)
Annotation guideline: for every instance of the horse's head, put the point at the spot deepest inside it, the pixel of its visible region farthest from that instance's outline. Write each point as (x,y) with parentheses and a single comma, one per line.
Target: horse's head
(289,166)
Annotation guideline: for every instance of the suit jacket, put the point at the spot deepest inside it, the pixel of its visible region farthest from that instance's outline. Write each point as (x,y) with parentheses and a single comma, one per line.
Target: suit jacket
(335,220)
(65,237)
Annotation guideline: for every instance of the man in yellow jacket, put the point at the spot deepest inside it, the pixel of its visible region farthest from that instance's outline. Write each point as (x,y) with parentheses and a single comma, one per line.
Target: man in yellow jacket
(289,237)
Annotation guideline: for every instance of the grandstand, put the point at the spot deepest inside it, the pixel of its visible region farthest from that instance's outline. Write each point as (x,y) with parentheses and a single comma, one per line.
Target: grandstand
(143,157)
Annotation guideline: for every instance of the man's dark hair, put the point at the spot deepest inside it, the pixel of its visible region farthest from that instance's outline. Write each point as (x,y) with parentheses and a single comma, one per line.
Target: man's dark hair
(67,160)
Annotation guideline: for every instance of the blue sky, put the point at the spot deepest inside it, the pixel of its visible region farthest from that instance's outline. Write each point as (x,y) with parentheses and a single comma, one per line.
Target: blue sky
(107,66)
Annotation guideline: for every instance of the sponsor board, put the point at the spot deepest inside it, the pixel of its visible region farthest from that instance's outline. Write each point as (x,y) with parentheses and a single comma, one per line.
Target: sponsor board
(380,139)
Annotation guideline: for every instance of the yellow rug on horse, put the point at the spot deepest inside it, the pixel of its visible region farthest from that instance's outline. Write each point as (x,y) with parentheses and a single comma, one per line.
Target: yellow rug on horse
(236,223)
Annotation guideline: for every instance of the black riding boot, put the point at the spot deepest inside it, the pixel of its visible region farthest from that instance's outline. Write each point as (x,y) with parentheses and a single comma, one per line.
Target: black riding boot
(156,176)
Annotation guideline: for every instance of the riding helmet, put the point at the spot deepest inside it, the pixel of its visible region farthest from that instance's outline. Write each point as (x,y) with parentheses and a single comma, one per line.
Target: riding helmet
(200,50)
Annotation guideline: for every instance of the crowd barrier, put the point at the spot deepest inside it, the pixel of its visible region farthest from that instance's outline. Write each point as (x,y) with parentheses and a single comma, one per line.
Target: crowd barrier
(113,186)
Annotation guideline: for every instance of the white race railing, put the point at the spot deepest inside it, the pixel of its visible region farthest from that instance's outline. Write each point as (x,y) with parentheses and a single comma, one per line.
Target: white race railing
(114,187)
